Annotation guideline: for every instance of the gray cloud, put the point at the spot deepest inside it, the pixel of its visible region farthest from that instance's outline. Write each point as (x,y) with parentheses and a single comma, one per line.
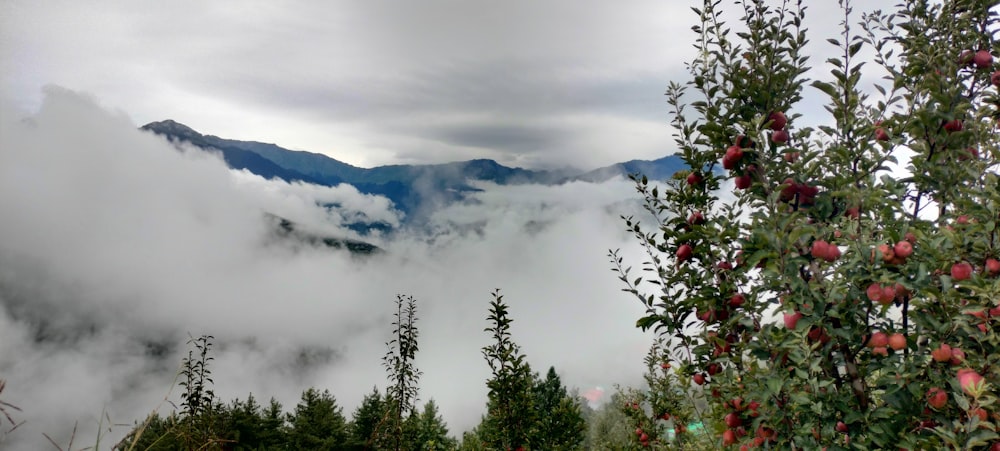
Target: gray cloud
(570,83)
(115,246)
(365,81)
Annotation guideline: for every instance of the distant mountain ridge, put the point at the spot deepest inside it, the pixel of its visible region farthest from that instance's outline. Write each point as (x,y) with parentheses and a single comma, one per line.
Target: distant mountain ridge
(415,189)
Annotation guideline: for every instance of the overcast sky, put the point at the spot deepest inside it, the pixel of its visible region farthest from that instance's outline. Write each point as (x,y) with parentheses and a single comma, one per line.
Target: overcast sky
(529,83)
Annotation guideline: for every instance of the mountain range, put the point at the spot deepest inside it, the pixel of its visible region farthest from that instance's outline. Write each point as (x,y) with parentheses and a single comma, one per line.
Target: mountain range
(415,190)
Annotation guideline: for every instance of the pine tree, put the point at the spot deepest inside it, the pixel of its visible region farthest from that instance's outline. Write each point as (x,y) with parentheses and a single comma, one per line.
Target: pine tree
(431,432)
(272,431)
(366,419)
(317,423)
(242,423)
(559,424)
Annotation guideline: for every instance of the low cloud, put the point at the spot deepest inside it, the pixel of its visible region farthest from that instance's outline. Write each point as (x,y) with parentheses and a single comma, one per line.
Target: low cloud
(115,246)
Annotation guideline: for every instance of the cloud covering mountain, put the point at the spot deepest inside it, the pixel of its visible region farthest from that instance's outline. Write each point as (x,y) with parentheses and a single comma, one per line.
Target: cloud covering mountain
(115,246)
(416,190)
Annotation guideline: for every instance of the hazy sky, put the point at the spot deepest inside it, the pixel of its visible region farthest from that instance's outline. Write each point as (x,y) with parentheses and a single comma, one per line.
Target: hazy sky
(530,83)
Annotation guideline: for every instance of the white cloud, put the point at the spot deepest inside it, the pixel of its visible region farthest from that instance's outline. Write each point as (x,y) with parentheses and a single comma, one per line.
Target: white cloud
(112,242)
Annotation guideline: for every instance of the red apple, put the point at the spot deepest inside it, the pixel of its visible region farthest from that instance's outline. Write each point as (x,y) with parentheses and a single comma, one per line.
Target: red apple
(737,300)
(826,251)
(699,379)
(819,248)
(791,157)
(903,249)
(957,356)
(841,426)
(995,78)
(881,134)
(733,155)
(728,437)
(713,369)
(818,334)
(792,319)
(953,126)
(807,194)
(696,218)
(778,120)
(707,316)
(887,252)
(724,265)
(937,398)
(979,412)
(992,266)
(970,153)
(901,291)
(969,380)
(983,59)
(832,252)
(788,190)
(684,253)
(743,181)
(694,178)
(961,271)
(779,137)
(638,431)
(853,212)
(888,294)
(874,292)
(897,341)
(965,58)
(942,353)
(879,340)
(733,420)
(909,236)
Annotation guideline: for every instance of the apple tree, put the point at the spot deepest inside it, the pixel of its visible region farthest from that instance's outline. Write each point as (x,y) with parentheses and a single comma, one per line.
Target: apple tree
(834,285)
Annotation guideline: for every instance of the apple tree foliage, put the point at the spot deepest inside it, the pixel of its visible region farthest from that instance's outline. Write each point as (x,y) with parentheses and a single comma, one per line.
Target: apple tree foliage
(846,293)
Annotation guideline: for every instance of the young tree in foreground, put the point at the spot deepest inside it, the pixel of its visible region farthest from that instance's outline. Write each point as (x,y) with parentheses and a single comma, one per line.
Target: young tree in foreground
(833,300)
(401,395)
(509,411)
